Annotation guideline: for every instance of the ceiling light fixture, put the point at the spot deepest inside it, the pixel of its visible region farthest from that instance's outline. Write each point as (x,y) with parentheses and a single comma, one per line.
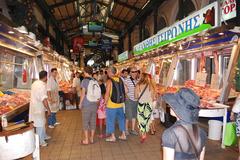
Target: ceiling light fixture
(180,47)
(221,33)
(206,38)
(10,32)
(145,4)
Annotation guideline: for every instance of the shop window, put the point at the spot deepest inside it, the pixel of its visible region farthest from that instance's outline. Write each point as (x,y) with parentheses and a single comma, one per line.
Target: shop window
(6,70)
(161,23)
(182,72)
(164,71)
(186,7)
(22,76)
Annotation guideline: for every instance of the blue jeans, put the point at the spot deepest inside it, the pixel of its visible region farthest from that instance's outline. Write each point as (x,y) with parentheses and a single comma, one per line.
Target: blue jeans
(41,132)
(112,115)
(52,119)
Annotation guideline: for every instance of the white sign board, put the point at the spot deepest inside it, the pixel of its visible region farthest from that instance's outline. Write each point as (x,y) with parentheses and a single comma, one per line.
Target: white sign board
(201,78)
(215,81)
(229,9)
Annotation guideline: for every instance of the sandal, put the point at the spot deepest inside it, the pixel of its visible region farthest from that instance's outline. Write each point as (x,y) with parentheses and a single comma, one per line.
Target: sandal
(110,139)
(92,141)
(122,139)
(83,143)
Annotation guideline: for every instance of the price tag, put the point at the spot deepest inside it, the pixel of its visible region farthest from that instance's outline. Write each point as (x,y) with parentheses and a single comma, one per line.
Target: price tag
(201,78)
(215,81)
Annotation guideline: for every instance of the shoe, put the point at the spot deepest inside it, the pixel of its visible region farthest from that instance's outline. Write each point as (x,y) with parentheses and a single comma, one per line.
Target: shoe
(44,144)
(50,126)
(47,137)
(127,133)
(133,132)
(57,123)
(110,139)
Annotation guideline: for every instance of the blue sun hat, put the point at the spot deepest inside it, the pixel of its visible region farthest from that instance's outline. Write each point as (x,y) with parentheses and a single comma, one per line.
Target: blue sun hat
(185,103)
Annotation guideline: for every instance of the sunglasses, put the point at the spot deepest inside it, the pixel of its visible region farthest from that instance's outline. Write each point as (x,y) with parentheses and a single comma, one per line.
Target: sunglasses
(134,71)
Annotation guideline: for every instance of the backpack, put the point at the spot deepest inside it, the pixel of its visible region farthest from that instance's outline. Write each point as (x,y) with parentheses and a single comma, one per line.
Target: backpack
(93,91)
(118,91)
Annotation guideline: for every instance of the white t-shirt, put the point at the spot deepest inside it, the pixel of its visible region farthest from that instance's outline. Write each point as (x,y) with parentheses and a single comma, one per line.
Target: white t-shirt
(37,109)
(52,86)
(76,84)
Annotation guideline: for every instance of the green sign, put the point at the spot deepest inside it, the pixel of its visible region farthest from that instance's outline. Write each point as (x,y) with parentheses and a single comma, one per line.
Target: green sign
(204,19)
(123,56)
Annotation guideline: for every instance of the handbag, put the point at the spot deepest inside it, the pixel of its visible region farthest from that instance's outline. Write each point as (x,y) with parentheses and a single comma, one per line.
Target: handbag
(236,106)
(142,93)
(230,138)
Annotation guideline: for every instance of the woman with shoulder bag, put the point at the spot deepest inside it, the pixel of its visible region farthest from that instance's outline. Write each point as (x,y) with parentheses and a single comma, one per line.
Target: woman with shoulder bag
(235,116)
(145,94)
(185,140)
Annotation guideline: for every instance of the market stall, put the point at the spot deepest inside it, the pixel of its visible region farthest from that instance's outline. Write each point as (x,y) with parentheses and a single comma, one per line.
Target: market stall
(204,58)
(18,52)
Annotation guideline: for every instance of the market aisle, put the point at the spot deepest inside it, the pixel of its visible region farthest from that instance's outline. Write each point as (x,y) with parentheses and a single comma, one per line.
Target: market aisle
(66,137)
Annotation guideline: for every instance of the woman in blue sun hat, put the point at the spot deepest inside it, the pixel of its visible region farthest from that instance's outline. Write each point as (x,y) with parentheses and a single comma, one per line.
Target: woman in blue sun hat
(185,140)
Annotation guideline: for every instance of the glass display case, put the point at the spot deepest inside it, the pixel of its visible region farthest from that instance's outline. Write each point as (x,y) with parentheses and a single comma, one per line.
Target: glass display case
(15,70)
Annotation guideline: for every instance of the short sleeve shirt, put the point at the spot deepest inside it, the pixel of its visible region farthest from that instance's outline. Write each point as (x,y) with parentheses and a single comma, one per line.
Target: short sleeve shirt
(131,84)
(36,108)
(172,137)
(86,102)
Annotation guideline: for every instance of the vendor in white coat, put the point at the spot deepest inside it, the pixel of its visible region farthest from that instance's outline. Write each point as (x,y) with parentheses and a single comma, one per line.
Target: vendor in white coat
(38,106)
(53,97)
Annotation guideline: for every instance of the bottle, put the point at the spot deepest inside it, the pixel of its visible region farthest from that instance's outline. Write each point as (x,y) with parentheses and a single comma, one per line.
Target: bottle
(4,121)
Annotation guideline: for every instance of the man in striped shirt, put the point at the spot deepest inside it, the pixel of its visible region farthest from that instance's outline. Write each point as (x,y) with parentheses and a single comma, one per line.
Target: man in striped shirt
(131,102)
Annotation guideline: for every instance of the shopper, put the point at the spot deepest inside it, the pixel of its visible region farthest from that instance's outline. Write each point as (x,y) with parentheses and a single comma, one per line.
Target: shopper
(145,94)
(235,116)
(90,96)
(185,139)
(114,99)
(131,102)
(101,75)
(124,74)
(38,105)
(53,97)
(76,88)
(95,76)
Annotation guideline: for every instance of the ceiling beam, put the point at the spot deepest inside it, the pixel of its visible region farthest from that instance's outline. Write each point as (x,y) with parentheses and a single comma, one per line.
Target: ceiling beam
(47,14)
(73,16)
(117,19)
(112,29)
(143,13)
(65,2)
(127,5)
(70,29)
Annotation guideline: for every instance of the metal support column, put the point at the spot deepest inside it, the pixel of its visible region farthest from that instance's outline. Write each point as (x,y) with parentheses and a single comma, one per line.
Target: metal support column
(129,41)
(155,18)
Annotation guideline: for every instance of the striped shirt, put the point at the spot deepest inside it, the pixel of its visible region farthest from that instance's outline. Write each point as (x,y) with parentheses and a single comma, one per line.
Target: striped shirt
(131,88)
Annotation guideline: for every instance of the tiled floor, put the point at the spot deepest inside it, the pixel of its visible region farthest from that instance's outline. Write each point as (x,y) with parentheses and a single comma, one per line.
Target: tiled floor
(65,145)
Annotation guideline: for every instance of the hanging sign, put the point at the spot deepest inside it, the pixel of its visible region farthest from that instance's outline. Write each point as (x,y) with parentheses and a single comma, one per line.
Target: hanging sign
(229,9)
(204,19)
(215,81)
(123,56)
(201,79)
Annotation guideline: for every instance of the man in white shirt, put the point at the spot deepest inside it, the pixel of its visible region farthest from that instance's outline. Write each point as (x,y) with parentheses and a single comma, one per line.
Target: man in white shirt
(38,106)
(77,88)
(53,97)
